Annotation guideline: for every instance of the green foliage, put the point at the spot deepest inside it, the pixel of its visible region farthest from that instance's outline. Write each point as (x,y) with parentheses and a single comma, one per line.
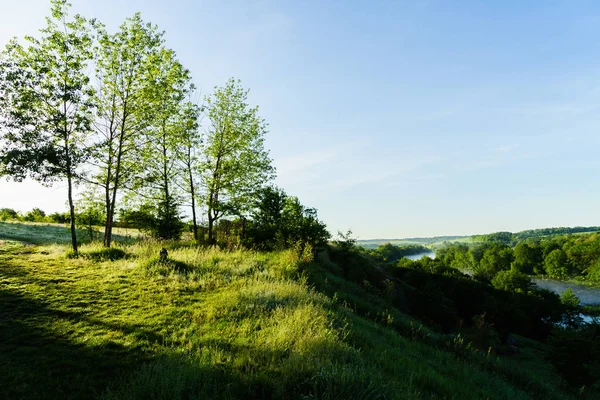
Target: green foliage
(125,107)
(59,218)
(161,221)
(8,214)
(168,223)
(389,253)
(569,299)
(281,222)
(35,215)
(460,256)
(557,256)
(572,312)
(235,165)
(528,258)
(512,239)
(45,103)
(556,264)
(495,258)
(512,281)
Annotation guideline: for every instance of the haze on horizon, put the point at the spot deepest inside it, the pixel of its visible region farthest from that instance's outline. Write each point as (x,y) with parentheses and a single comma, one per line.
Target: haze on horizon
(395,120)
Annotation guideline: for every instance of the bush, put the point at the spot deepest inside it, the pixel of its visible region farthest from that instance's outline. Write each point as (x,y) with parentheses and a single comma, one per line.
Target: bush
(8,214)
(35,215)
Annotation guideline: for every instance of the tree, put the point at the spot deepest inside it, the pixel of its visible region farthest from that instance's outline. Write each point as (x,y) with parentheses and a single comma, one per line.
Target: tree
(571,316)
(279,221)
(160,151)
(45,104)
(235,164)
(512,281)
(528,258)
(91,211)
(556,264)
(496,258)
(346,245)
(188,157)
(266,218)
(35,215)
(123,62)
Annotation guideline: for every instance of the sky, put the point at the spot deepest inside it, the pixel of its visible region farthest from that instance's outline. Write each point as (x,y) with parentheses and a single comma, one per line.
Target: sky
(394,118)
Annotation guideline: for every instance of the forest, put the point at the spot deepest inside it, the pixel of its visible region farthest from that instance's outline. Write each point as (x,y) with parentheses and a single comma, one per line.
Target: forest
(180,271)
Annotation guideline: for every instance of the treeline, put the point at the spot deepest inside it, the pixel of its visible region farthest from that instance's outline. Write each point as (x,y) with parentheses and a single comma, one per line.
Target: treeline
(119,114)
(511,239)
(558,257)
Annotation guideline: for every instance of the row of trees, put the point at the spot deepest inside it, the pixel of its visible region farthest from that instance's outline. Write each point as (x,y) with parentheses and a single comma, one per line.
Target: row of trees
(512,239)
(118,112)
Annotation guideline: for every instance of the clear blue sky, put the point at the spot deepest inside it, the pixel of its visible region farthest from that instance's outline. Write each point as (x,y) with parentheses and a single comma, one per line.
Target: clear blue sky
(396,119)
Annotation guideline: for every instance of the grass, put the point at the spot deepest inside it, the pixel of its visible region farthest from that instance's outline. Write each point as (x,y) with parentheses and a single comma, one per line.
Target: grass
(120,324)
(48,233)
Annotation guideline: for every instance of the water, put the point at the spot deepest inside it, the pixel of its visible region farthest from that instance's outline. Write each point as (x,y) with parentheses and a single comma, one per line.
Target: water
(587,295)
(430,254)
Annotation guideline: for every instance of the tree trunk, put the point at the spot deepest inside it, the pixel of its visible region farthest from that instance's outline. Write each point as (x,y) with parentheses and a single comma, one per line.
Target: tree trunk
(211,240)
(71,209)
(167,215)
(108,222)
(111,214)
(192,192)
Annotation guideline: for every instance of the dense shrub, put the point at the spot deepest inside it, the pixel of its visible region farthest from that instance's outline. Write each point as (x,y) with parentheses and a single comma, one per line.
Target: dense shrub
(280,221)
(8,214)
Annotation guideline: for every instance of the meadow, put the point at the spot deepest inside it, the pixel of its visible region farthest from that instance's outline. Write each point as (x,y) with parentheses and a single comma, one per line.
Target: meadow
(208,323)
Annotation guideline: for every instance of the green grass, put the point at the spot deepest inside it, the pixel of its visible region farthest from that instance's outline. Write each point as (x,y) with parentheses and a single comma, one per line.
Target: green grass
(119,324)
(48,233)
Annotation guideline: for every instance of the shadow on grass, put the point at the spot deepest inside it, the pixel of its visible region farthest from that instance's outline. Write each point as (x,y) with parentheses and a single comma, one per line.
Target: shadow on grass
(166,267)
(49,233)
(105,254)
(38,363)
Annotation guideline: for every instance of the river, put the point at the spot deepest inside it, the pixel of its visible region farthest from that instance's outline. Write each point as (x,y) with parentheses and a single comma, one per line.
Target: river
(430,254)
(587,295)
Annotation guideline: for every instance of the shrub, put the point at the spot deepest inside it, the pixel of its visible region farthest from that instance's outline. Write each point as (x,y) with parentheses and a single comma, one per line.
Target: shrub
(8,214)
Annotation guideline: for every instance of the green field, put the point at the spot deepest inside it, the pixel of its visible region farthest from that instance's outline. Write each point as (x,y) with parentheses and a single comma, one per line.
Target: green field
(209,323)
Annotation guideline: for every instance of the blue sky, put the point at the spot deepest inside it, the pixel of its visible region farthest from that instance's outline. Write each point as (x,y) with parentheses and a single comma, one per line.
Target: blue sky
(396,119)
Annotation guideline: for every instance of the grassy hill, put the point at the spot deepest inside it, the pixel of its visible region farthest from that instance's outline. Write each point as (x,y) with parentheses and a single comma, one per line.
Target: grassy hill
(209,323)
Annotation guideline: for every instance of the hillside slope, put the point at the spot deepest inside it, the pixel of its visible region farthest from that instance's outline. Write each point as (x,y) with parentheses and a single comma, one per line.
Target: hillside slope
(119,324)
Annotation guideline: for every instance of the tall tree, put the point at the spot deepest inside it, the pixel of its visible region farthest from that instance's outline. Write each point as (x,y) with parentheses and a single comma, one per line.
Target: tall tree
(235,164)
(160,150)
(188,155)
(45,107)
(123,62)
